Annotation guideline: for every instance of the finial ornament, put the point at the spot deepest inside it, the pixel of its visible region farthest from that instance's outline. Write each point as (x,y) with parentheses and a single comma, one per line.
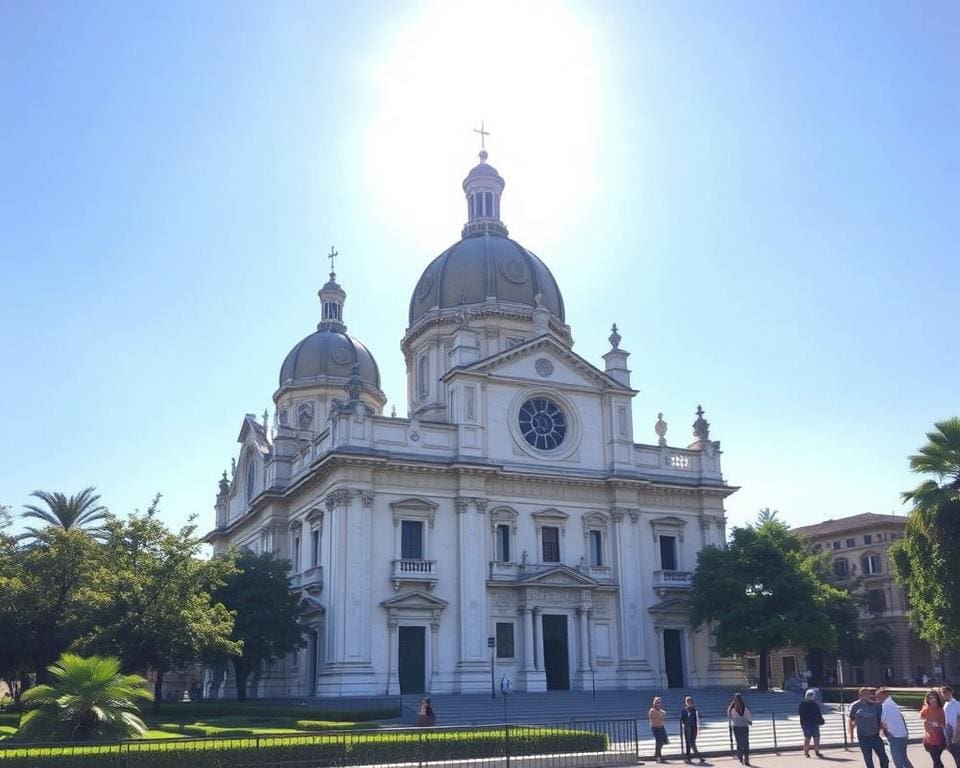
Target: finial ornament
(224,484)
(661,429)
(332,255)
(266,417)
(701,427)
(614,337)
(483,140)
(393,412)
(354,384)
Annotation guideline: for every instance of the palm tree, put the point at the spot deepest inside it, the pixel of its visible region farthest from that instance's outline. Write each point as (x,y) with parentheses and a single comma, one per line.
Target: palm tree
(941,457)
(71,513)
(89,699)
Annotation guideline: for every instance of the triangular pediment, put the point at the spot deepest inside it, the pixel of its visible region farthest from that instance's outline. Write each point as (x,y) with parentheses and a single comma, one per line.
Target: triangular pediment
(253,432)
(416,599)
(561,576)
(545,360)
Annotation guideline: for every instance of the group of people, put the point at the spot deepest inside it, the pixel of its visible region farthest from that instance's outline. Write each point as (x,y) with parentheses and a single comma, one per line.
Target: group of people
(740,719)
(738,714)
(875,713)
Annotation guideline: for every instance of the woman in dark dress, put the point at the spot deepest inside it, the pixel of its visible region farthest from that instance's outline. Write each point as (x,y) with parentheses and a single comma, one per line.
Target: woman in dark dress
(811,718)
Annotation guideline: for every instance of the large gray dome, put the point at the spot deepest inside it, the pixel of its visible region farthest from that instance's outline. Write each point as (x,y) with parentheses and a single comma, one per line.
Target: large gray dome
(329,352)
(481,266)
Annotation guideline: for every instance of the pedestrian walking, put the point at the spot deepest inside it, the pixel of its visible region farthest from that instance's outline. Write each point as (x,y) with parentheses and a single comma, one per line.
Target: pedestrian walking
(934,727)
(690,724)
(740,717)
(895,729)
(951,714)
(865,717)
(658,726)
(811,718)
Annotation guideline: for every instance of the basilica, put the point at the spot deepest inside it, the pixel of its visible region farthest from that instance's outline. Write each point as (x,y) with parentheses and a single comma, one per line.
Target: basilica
(509,525)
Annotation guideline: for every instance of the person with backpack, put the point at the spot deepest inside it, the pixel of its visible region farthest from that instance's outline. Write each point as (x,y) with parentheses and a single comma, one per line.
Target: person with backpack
(865,720)
(895,729)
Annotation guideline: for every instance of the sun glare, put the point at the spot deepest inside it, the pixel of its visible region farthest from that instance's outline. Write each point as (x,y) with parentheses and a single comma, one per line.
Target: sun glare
(530,71)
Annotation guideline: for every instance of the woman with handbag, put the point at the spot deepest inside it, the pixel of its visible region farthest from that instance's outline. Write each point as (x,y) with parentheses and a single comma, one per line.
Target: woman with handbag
(811,718)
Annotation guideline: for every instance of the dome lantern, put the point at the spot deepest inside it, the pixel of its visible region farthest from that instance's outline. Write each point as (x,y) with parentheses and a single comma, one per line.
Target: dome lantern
(483,188)
(332,297)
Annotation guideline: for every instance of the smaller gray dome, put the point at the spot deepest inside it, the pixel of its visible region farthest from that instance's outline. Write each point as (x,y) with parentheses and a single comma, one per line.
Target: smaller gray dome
(329,352)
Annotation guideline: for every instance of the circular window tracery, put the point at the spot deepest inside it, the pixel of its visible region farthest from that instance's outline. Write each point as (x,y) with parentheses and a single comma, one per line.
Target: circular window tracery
(542,423)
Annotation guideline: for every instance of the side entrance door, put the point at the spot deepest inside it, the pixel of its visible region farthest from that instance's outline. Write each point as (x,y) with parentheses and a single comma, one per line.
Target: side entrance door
(556,657)
(411,659)
(673,658)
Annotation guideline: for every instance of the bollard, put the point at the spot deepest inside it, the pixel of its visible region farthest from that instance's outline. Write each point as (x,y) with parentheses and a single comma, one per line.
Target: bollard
(773,719)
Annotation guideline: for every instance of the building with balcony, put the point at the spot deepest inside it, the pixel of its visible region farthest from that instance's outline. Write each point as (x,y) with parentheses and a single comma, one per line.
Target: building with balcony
(857,547)
(511,506)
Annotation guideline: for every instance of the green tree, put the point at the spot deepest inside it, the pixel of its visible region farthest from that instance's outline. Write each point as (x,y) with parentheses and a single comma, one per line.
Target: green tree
(68,512)
(14,647)
(762,592)
(266,613)
(52,589)
(89,699)
(925,559)
(161,614)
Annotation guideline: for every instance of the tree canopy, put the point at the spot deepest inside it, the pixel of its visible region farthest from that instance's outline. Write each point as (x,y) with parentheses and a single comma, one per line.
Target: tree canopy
(925,559)
(762,592)
(267,614)
(160,613)
(82,510)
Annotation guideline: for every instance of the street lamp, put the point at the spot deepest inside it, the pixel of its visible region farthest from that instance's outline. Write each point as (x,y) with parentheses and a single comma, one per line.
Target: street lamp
(492,644)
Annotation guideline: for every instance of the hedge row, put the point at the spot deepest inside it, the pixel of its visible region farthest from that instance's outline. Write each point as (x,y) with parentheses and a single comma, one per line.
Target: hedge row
(333,750)
(197,711)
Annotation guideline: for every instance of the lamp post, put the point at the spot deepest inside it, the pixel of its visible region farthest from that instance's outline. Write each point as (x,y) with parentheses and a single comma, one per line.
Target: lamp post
(492,644)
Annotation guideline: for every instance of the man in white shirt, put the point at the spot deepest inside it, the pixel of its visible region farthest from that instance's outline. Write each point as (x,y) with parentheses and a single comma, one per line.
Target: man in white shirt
(951,713)
(895,728)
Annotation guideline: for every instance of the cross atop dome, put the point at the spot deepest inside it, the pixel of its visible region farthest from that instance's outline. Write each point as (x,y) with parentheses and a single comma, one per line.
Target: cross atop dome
(483,188)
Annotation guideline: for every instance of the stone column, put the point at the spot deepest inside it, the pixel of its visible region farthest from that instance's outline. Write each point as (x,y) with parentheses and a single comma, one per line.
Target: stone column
(529,660)
(434,653)
(393,678)
(473,668)
(537,646)
(583,614)
(661,657)
(633,671)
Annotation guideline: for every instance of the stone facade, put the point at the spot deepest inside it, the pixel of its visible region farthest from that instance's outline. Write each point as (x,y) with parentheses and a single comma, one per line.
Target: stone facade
(511,506)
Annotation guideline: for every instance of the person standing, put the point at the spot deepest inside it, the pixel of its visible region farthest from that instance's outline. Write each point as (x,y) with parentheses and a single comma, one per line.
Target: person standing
(690,724)
(951,714)
(895,727)
(427,716)
(934,727)
(658,726)
(811,718)
(738,713)
(865,720)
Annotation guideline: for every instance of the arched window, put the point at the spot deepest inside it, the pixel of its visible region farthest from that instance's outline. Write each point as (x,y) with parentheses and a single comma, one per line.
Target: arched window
(251,477)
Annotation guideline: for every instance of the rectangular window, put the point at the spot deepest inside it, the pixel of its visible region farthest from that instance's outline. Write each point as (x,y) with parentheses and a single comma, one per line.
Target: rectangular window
(503,543)
(596,548)
(871,565)
(836,545)
(876,601)
(840,568)
(423,374)
(504,640)
(851,542)
(295,565)
(551,544)
(488,204)
(411,539)
(867,538)
(668,553)
(314,548)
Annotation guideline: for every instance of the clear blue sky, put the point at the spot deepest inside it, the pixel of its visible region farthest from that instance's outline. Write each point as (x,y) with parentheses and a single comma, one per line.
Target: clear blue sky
(764,196)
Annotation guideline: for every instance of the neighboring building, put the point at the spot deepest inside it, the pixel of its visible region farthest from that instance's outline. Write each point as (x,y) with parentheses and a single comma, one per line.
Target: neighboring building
(512,504)
(858,548)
